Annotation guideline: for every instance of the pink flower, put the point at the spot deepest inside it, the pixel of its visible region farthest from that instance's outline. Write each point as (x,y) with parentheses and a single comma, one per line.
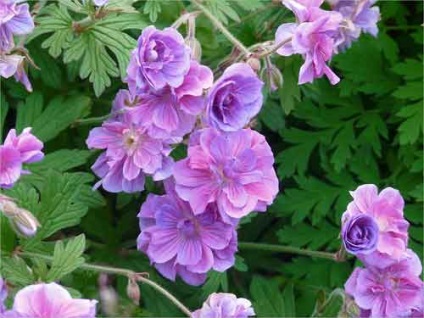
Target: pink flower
(50,301)
(130,154)
(390,292)
(27,144)
(233,169)
(171,111)
(3,294)
(312,36)
(16,150)
(178,242)
(386,209)
(224,305)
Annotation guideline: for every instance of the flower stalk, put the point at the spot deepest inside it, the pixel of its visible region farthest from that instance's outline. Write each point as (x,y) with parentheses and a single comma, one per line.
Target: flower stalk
(287,249)
(140,277)
(222,28)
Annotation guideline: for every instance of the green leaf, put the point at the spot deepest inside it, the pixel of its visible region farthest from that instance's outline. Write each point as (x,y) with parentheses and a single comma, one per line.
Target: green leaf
(58,115)
(15,270)
(331,306)
(412,127)
(215,282)
(29,111)
(66,257)
(61,160)
(343,142)
(267,298)
(152,8)
(290,90)
(4,108)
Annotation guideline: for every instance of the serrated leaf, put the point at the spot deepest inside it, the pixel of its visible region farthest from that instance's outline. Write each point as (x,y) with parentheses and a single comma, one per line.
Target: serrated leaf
(215,282)
(58,115)
(152,8)
(29,111)
(331,306)
(16,271)
(62,160)
(412,127)
(267,298)
(66,257)
(343,142)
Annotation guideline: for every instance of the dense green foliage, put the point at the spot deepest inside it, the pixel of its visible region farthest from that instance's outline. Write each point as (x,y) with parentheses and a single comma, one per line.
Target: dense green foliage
(327,140)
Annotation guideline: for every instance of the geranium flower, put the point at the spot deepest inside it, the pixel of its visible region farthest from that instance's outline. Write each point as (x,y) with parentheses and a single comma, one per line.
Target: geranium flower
(225,305)
(178,242)
(233,170)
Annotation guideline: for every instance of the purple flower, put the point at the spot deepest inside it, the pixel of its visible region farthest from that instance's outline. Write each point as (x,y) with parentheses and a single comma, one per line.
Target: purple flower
(389,292)
(312,36)
(172,111)
(160,59)
(13,64)
(234,99)
(224,305)
(178,242)
(16,150)
(11,166)
(358,16)
(50,300)
(100,3)
(3,294)
(233,169)
(15,19)
(386,209)
(360,234)
(130,154)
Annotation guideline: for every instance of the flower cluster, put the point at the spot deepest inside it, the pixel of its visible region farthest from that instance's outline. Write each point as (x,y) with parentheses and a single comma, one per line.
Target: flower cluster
(375,231)
(46,300)
(15,20)
(17,150)
(228,172)
(318,34)
(222,305)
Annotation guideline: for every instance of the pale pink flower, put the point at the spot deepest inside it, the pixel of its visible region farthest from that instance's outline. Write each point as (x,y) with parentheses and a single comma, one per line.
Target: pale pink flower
(224,305)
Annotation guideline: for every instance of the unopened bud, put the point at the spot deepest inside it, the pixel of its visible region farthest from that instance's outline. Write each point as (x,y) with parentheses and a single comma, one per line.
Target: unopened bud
(272,77)
(133,291)
(108,301)
(24,223)
(195,47)
(254,63)
(8,206)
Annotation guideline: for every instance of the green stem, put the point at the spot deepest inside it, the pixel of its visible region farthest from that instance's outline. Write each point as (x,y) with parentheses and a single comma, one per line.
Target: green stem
(118,271)
(286,249)
(222,28)
(91,120)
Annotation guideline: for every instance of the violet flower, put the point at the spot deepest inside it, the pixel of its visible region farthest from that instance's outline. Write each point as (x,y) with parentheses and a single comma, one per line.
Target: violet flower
(15,19)
(225,305)
(160,59)
(233,169)
(49,300)
(358,16)
(234,99)
(171,111)
(312,36)
(130,154)
(13,64)
(360,234)
(178,242)
(3,294)
(390,292)
(386,208)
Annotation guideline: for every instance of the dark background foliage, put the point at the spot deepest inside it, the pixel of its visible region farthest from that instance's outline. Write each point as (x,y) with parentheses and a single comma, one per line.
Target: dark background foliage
(327,140)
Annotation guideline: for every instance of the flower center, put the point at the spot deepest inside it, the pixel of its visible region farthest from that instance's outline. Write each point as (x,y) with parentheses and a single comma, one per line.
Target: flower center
(152,55)
(131,140)
(187,227)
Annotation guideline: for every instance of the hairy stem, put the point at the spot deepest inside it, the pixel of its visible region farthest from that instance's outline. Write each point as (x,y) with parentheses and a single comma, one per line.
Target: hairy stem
(222,28)
(118,271)
(287,249)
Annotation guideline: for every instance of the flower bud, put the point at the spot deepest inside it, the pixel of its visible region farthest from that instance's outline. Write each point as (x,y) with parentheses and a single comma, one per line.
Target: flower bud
(272,77)
(195,47)
(24,223)
(254,63)
(8,206)
(133,291)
